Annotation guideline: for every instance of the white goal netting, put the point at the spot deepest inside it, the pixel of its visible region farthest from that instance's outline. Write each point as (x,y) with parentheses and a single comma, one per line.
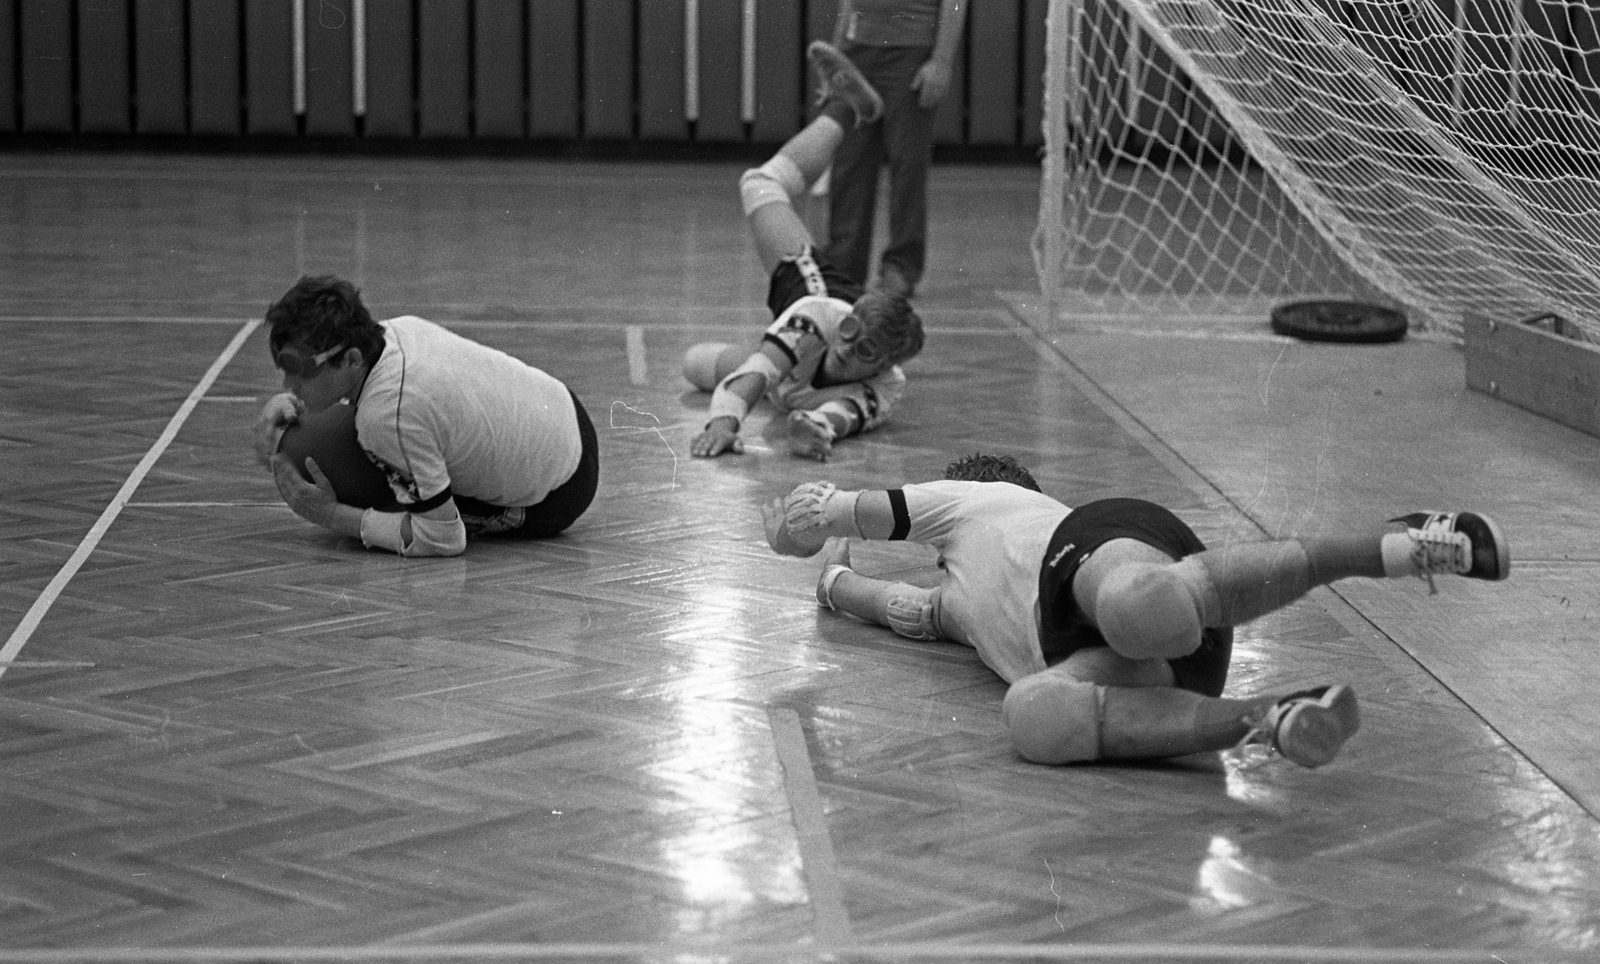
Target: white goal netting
(1213,157)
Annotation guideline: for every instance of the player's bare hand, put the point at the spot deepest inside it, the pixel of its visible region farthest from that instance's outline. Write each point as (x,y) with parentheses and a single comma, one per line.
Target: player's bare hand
(281,411)
(720,435)
(779,537)
(312,501)
(810,435)
(932,83)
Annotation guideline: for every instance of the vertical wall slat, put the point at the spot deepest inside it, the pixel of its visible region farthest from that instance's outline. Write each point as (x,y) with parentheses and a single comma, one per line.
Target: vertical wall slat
(1033,67)
(269,67)
(661,77)
(8,67)
(160,106)
(780,69)
(391,77)
(721,40)
(215,98)
(443,78)
(330,27)
(497,69)
(608,59)
(992,77)
(553,98)
(46,66)
(105,100)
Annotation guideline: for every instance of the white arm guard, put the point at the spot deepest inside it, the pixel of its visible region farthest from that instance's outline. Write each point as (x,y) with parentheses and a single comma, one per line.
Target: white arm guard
(429,537)
(727,403)
(822,507)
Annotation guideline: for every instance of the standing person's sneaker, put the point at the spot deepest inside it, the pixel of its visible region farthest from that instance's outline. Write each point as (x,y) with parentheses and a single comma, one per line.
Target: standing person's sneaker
(838,77)
(1310,726)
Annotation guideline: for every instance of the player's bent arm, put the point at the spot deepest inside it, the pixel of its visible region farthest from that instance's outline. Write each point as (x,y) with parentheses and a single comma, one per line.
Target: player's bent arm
(733,398)
(438,531)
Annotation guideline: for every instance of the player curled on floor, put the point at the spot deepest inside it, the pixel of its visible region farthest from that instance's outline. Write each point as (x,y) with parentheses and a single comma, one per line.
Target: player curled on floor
(451,439)
(831,357)
(1112,621)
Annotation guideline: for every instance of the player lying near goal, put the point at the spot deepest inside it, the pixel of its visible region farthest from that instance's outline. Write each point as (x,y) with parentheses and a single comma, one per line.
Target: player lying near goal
(831,357)
(450,438)
(1110,621)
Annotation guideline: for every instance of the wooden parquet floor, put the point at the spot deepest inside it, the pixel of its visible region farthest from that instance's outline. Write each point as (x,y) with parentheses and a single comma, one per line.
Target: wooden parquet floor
(226,735)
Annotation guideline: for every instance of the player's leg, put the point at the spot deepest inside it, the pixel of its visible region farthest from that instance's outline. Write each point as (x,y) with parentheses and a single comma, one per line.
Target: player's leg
(908,145)
(706,364)
(909,610)
(1148,608)
(768,192)
(1053,717)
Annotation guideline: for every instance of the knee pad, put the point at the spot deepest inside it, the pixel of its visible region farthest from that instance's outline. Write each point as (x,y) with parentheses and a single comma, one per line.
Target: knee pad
(1144,611)
(1053,718)
(913,612)
(702,362)
(778,181)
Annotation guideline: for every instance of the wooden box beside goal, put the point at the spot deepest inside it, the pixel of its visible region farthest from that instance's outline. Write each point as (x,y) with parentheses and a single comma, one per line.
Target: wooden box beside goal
(1544,364)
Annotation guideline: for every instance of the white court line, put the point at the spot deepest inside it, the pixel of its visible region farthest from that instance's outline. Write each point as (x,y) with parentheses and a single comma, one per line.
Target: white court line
(638,373)
(816,846)
(791,953)
(41,605)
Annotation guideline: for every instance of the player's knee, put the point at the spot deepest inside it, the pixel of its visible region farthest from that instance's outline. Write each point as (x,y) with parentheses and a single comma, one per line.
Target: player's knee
(708,363)
(912,612)
(778,181)
(1053,718)
(1144,611)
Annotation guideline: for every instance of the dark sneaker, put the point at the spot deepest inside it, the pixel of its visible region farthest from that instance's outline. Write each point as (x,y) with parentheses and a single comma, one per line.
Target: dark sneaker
(1310,726)
(838,77)
(1463,543)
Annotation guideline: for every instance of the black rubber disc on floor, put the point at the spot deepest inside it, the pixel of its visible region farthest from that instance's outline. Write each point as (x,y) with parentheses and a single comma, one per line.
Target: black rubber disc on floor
(1351,322)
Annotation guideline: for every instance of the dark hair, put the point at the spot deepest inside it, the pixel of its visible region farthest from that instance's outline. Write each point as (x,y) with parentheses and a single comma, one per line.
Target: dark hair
(990,468)
(889,320)
(323,312)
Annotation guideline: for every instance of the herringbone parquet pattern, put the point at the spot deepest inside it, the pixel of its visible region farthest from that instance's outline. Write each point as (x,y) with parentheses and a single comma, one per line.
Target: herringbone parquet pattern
(234,731)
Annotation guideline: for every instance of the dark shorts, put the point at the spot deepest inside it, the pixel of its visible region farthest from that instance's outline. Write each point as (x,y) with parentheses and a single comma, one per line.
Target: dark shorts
(1063,627)
(565,503)
(807,274)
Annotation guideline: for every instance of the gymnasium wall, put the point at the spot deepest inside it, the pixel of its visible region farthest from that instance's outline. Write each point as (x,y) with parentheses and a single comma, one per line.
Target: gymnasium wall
(574,72)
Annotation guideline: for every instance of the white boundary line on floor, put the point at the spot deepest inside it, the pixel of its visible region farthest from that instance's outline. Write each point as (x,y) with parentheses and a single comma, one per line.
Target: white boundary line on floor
(41,605)
(811,826)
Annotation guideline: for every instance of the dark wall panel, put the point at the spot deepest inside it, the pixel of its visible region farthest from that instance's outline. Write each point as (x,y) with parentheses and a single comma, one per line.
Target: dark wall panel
(721,70)
(330,78)
(1033,66)
(608,69)
(269,67)
(391,74)
(553,91)
(162,103)
(661,71)
(443,73)
(780,70)
(8,68)
(992,74)
(105,97)
(215,101)
(497,69)
(46,66)
(949,123)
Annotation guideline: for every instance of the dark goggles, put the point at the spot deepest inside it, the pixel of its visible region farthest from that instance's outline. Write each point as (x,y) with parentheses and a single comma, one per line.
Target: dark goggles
(296,362)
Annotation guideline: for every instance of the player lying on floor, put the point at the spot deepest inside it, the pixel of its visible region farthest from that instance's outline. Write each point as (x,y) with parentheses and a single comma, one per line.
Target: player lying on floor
(451,438)
(1112,621)
(831,357)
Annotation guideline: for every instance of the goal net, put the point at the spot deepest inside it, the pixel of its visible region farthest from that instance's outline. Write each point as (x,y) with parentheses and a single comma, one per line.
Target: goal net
(1214,157)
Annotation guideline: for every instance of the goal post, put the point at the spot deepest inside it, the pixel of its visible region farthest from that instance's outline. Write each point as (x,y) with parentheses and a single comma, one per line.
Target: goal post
(1213,157)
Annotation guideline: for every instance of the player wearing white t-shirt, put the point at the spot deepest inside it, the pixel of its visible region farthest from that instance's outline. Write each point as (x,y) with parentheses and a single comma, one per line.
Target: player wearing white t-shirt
(831,357)
(470,440)
(1112,621)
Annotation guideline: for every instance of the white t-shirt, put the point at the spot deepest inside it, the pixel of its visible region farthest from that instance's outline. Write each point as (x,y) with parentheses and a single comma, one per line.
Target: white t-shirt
(441,410)
(820,315)
(991,538)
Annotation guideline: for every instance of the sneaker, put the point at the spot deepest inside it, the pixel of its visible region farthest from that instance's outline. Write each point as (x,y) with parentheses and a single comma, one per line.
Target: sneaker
(838,77)
(1462,543)
(1310,726)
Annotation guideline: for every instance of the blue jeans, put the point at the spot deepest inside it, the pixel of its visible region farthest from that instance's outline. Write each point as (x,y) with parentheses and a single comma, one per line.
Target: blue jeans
(903,137)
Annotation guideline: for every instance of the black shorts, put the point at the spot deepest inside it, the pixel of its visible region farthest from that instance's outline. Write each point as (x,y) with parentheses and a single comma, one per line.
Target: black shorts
(562,506)
(1063,628)
(807,274)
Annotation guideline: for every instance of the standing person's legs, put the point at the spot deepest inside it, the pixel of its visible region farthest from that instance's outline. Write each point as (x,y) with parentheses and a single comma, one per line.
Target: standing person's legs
(853,186)
(908,144)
